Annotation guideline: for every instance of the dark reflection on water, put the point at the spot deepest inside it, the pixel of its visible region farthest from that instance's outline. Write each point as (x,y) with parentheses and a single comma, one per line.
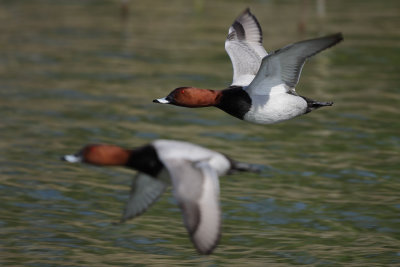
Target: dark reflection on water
(74,72)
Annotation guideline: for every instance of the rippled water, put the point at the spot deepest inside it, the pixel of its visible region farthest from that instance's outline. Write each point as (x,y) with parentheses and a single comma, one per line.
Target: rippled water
(77,72)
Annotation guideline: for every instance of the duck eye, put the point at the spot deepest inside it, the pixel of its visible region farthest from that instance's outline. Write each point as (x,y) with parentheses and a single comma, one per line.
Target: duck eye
(182,91)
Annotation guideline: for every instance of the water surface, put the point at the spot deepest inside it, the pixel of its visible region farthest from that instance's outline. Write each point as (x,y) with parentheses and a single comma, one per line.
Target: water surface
(77,72)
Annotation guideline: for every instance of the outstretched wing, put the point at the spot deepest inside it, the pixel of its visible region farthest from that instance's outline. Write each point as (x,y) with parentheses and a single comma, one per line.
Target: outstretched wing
(283,67)
(145,190)
(244,47)
(196,188)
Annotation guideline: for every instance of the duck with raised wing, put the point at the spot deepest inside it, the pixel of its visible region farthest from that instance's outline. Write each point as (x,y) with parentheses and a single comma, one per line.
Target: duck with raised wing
(193,170)
(263,86)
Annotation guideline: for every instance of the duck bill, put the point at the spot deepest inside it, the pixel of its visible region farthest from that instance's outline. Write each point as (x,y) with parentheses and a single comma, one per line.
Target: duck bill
(163,100)
(72,158)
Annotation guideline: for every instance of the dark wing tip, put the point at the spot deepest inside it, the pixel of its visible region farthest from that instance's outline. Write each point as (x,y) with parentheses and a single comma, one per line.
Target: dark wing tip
(253,17)
(243,22)
(338,37)
(247,10)
(210,249)
(335,38)
(322,43)
(192,217)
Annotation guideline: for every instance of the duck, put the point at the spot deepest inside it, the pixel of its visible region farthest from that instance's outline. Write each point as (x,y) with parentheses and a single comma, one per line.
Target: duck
(263,85)
(193,171)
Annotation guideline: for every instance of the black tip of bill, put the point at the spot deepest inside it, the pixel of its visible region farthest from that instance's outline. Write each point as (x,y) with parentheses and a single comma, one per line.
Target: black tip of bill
(162,100)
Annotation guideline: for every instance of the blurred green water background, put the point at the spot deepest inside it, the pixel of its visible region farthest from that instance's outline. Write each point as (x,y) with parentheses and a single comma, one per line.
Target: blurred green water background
(77,72)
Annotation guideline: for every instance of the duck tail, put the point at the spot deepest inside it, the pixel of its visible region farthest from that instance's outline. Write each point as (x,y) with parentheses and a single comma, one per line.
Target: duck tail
(312,104)
(244,167)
